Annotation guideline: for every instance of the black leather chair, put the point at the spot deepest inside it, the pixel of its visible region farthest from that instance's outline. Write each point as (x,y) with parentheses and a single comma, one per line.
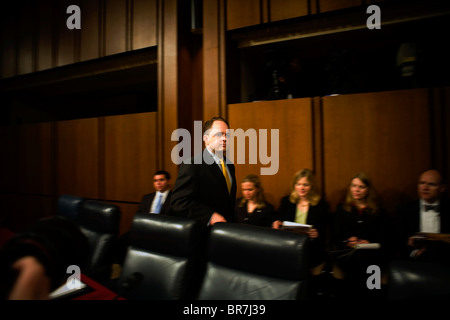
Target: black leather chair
(69,206)
(164,260)
(100,224)
(417,280)
(246,262)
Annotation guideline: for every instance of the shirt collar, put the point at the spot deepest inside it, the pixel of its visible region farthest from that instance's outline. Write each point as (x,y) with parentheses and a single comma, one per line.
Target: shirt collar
(423,203)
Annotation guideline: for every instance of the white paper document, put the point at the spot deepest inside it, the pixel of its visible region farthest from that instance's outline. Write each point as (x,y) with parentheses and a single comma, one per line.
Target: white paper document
(295,224)
(64,289)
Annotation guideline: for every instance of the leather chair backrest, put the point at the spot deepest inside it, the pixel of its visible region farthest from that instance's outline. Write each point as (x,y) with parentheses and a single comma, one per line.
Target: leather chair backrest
(246,262)
(69,206)
(100,224)
(167,253)
(418,280)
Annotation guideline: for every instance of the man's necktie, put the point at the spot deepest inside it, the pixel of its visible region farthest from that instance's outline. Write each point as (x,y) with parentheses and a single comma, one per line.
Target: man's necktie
(225,173)
(158,204)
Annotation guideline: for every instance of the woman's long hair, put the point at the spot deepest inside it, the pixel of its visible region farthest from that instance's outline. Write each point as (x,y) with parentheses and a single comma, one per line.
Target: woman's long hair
(260,199)
(313,194)
(371,197)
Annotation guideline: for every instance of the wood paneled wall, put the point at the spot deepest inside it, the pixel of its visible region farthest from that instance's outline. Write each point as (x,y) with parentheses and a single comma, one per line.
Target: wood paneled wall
(35,36)
(111,159)
(241,14)
(214,93)
(388,135)
(129,151)
(294,120)
(78,157)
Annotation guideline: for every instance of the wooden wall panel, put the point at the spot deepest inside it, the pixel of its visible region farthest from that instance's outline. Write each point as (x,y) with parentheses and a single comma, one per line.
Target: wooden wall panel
(440,110)
(331,5)
(144,24)
(243,13)
(115,26)
(44,52)
(446,137)
(287,9)
(91,24)
(8,46)
(212,76)
(130,156)
(385,134)
(168,80)
(25,57)
(65,49)
(35,159)
(293,118)
(78,157)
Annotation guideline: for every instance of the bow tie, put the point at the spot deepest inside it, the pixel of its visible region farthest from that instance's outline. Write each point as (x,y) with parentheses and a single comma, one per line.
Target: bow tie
(431,207)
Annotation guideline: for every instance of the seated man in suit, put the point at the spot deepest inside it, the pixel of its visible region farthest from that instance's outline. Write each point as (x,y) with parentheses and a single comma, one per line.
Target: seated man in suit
(429,214)
(158,202)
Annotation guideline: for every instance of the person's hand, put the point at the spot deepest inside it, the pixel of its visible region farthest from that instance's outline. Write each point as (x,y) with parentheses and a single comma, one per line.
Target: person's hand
(216,217)
(313,233)
(353,241)
(32,283)
(277,224)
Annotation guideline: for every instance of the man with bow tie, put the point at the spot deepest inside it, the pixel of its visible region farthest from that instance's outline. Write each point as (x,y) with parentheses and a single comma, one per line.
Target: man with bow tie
(428,214)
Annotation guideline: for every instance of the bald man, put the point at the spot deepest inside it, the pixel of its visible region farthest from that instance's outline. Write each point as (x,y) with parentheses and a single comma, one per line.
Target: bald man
(430,214)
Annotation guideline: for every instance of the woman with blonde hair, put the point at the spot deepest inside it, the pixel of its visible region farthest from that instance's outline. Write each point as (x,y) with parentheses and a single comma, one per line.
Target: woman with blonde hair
(305,205)
(252,207)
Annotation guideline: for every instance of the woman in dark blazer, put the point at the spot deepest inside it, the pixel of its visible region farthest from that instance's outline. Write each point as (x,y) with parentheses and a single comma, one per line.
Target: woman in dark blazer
(252,208)
(305,205)
(358,220)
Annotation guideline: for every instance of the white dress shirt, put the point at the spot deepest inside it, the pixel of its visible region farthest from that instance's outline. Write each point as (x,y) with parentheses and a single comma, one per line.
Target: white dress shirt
(430,220)
(155,200)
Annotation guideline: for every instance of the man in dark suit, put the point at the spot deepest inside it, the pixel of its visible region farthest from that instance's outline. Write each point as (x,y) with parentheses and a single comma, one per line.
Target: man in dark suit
(205,190)
(158,202)
(429,214)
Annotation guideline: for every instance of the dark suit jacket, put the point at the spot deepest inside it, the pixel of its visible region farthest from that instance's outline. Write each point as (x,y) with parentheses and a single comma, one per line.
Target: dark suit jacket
(368,226)
(146,203)
(317,217)
(201,189)
(408,223)
(259,217)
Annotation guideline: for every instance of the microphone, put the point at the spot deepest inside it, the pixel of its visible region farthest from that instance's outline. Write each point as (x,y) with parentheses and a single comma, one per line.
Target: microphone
(131,282)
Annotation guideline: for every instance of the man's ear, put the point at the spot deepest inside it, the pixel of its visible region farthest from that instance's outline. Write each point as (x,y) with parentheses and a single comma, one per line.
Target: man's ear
(442,188)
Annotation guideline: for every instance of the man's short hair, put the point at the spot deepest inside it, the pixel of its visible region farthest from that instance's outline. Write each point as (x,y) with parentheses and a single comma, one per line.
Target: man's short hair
(165,173)
(208,124)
